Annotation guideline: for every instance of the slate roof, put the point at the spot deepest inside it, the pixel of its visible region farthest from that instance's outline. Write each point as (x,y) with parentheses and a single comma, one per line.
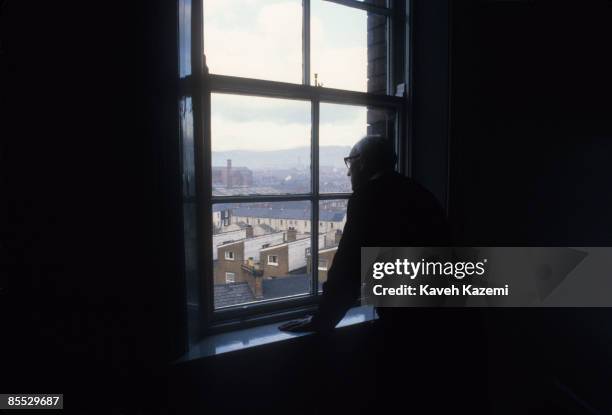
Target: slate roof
(300,214)
(266,228)
(285,286)
(240,292)
(231,294)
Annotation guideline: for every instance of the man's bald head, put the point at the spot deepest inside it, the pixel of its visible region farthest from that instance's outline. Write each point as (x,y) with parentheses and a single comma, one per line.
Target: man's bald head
(370,155)
(375,152)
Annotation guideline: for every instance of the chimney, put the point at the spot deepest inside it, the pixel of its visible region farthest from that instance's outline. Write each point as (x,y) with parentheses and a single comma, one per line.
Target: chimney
(258,288)
(337,236)
(291,234)
(228,169)
(249,231)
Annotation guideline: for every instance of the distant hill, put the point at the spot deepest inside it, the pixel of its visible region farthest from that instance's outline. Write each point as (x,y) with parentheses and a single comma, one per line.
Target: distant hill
(332,156)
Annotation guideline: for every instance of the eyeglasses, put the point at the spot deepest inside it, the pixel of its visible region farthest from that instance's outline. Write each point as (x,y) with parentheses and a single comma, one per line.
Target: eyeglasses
(349,160)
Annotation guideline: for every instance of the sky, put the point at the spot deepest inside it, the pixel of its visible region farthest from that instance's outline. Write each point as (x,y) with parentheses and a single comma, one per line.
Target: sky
(263,39)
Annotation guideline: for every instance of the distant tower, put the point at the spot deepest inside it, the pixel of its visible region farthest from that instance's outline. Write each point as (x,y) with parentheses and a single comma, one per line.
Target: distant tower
(228,182)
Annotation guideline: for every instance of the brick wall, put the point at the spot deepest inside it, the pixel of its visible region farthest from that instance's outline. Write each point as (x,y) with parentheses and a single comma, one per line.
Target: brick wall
(282,254)
(326,255)
(225,265)
(377,68)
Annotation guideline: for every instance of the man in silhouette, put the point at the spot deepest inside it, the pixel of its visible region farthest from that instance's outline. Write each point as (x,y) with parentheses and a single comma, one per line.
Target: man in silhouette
(431,356)
(385,209)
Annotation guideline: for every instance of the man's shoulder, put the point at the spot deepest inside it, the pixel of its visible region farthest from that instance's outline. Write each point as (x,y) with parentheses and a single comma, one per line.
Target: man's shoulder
(391,182)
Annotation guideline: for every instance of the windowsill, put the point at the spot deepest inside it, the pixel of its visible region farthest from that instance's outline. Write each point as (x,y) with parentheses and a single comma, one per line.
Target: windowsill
(221,343)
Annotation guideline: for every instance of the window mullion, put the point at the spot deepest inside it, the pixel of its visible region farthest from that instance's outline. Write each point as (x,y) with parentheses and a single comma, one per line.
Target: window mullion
(306,42)
(314,252)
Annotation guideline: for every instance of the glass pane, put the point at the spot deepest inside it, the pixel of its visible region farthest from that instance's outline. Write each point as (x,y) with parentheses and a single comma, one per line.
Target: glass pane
(254,38)
(259,145)
(332,218)
(260,251)
(340,127)
(348,48)
(184,37)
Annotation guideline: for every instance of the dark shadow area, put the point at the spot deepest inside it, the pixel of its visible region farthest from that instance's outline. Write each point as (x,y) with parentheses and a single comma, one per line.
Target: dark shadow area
(91,260)
(531,136)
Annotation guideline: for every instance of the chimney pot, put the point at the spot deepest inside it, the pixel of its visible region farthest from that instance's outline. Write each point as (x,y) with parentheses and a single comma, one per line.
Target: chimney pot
(291,234)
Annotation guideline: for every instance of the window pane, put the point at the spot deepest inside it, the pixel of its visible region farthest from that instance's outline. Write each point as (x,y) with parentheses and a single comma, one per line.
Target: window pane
(254,38)
(260,145)
(340,127)
(184,10)
(348,48)
(332,218)
(265,246)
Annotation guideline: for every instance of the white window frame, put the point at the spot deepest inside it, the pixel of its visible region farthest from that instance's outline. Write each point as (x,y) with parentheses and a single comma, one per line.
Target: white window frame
(229,256)
(230,277)
(274,263)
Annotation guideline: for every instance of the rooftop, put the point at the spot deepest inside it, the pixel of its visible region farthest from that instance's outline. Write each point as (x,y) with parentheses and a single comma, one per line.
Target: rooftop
(240,293)
(285,286)
(249,239)
(301,214)
(231,294)
(285,243)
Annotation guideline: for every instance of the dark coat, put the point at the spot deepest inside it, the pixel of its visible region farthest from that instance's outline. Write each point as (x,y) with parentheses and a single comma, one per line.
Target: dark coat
(389,210)
(420,352)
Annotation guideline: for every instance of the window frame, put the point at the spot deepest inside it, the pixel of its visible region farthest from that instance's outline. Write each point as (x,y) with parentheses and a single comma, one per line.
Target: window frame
(200,85)
(233,277)
(273,263)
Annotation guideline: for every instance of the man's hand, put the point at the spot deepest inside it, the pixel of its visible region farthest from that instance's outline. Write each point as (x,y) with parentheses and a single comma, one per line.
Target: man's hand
(298,326)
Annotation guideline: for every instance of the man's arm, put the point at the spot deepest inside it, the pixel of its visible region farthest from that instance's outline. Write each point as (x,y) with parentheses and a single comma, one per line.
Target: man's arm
(342,287)
(343,284)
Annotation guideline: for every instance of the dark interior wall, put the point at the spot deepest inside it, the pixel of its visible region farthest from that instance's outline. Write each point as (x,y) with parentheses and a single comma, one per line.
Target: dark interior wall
(90,236)
(531,131)
(430,55)
(531,144)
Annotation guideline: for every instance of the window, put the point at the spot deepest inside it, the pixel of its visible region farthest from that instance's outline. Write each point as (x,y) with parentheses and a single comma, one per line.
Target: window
(274,95)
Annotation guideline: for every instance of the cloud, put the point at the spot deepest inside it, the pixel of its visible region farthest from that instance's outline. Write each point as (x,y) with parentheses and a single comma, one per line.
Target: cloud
(339,46)
(234,108)
(263,40)
(242,39)
(335,130)
(257,135)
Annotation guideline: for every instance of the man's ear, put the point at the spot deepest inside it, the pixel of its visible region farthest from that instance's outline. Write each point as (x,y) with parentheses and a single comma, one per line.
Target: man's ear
(360,166)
